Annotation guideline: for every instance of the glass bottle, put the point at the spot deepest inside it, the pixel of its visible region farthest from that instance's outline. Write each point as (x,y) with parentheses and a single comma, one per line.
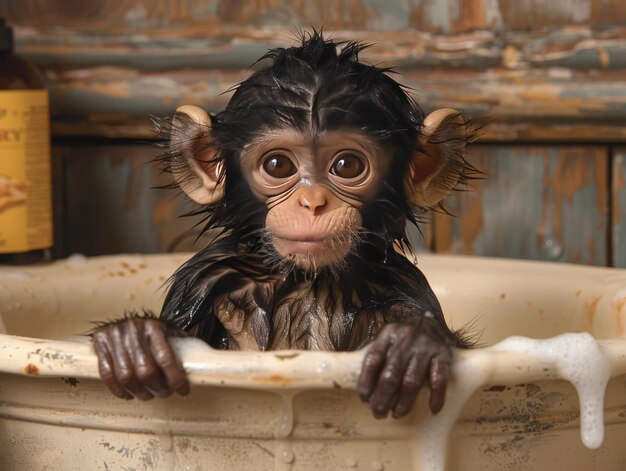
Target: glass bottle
(25,168)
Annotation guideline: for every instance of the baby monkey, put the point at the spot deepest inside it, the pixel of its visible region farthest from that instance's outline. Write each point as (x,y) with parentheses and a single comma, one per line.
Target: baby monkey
(309,177)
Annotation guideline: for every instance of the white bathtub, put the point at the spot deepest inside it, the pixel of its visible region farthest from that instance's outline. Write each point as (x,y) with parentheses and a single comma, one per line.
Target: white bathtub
(299,410)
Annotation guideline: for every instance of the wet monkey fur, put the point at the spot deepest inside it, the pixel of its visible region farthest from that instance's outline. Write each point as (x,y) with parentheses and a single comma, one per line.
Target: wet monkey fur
(309,176)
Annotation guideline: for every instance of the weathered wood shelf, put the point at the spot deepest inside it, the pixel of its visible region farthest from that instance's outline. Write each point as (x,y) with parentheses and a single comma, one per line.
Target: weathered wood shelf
(548,76)
(107,84)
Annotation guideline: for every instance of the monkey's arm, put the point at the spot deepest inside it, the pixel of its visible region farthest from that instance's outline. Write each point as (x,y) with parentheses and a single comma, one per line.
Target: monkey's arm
(406,356)
(135,358)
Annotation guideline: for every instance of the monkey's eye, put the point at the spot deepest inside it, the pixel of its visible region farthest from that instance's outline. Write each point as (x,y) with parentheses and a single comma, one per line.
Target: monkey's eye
(348,166)
(279,166)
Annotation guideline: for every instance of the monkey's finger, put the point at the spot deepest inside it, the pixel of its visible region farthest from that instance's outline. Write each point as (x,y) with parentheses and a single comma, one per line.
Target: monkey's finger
(439,371)
(123,367)
(147,371)
(105,362)
(373,364)
(168,362)
(411,385)
(390,381)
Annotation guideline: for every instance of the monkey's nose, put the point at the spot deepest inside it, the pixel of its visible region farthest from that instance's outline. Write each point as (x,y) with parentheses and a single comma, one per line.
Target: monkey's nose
(313,199)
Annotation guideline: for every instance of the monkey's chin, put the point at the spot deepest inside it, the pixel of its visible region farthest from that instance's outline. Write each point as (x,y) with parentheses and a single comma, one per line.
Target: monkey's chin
(313,254)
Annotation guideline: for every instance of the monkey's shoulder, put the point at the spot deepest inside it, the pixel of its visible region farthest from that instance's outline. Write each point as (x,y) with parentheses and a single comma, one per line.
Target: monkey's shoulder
(213,274)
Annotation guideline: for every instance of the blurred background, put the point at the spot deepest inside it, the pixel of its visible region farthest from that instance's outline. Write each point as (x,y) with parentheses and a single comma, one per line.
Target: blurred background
(551,75)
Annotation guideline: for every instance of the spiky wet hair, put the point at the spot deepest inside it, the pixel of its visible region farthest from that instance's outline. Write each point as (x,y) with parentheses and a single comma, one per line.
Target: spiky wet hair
(316,86)
(319,85)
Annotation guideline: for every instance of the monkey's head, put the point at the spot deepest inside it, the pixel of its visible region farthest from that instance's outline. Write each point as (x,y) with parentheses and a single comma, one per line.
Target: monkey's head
(315,152)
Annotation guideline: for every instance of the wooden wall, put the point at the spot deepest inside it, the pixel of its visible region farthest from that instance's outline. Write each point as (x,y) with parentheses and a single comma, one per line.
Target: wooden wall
(547,202)
(550,74)
(618,213)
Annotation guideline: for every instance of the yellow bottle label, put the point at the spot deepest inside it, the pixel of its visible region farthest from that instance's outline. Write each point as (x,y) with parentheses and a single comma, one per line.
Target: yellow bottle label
(25,175)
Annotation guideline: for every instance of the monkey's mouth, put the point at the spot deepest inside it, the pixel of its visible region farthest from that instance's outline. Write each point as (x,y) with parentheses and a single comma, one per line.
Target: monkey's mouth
(308,250)
(304,244)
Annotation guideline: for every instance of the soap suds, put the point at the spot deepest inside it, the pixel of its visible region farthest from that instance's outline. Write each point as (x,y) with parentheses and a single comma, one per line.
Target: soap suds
(580,360)
(77,260)
(576,357)
(161,428)
(433,430)
(284,456)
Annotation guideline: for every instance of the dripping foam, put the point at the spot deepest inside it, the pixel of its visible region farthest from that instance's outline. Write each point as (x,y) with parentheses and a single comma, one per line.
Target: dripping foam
(575,357)
(579,359)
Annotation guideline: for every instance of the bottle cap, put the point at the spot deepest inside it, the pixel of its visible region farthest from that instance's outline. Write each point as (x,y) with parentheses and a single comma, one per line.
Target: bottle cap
(6,36)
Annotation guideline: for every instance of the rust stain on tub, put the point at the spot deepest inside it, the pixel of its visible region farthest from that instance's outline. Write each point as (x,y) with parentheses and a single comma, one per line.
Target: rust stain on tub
(126,266)
(620,305)
(31,369)
(273,379)
(336,428)
(287,356)
(590,310)
(277,379)
(619,319)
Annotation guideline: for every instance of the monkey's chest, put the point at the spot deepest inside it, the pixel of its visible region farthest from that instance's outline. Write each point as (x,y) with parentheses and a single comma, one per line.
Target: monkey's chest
(299,321)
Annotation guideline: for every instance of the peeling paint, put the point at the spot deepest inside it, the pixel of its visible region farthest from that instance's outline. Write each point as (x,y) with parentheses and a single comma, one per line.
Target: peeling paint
(618,198)
(537,202)
(115,65)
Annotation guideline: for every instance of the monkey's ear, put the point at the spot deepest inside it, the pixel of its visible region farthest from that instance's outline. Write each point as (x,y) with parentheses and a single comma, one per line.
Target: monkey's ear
(196,168)
(437,168)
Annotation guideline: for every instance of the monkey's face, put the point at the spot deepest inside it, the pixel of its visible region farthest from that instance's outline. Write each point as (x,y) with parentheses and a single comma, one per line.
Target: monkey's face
(314,188)
(316,185)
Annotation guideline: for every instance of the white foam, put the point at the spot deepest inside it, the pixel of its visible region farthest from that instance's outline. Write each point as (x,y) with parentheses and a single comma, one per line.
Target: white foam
(469,374)
(76,259)
(576,357)
(284,456)
(579,359)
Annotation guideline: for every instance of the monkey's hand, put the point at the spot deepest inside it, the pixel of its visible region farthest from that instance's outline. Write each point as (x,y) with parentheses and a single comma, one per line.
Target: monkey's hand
(135,359)
(404,357)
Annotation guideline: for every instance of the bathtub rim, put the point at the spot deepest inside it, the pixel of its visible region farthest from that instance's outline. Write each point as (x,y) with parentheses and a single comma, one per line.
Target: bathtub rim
(281,369)
(37,357)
